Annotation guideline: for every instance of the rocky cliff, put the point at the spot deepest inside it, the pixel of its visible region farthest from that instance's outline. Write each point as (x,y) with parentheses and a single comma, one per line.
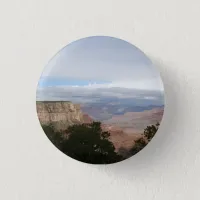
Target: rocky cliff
(136,122)
(62,114)
(59,113)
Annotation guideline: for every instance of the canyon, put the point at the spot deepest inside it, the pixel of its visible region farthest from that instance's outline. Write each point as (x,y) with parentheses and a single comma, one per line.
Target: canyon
(124,129)
(61,114)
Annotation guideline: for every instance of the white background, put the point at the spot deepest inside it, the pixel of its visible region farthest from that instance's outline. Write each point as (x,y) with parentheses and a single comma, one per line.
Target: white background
(32,31)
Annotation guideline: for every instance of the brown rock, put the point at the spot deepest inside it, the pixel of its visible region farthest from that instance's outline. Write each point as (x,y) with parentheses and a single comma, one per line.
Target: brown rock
(59,113)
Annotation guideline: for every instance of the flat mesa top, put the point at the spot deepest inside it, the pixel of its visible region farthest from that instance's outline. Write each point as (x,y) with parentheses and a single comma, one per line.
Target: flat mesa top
(53,101)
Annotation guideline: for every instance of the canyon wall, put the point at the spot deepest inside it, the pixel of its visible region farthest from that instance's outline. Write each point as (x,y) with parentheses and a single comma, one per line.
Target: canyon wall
(62,114)
(59,113)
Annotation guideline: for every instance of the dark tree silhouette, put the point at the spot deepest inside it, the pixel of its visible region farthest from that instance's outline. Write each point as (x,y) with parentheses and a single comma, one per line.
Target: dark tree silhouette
(138,146)
(150,131)
(88,143)
(84,142)
(55,137)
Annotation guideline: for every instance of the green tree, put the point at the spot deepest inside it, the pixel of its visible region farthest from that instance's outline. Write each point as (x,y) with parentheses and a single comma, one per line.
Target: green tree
(138,146)
(150,131)
(88,143)
(55,137)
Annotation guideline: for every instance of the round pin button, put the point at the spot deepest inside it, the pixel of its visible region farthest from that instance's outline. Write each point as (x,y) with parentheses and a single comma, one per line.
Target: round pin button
(100,100)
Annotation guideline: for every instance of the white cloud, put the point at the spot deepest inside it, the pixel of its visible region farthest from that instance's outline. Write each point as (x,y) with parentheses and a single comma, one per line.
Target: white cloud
(155,84)
(91,94)
(104,59)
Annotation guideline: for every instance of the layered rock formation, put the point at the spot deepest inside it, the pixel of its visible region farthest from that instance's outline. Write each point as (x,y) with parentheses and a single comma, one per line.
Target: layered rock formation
(136,122)
(61,114)
(119,138)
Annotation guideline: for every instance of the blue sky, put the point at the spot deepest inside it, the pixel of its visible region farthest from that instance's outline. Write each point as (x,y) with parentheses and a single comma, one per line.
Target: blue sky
(46,82)
(101,60)
(98,63)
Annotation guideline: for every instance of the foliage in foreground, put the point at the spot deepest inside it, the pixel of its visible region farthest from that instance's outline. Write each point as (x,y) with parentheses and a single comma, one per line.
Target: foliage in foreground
(86,143)
(89,143)
(149,133)
(55,137)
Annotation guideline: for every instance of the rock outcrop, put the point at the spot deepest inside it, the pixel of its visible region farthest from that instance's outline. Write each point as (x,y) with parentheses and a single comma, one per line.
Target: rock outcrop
(61,114)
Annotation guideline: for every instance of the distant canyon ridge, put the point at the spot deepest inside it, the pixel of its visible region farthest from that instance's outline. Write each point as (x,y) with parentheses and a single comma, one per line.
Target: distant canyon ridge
(124,127)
